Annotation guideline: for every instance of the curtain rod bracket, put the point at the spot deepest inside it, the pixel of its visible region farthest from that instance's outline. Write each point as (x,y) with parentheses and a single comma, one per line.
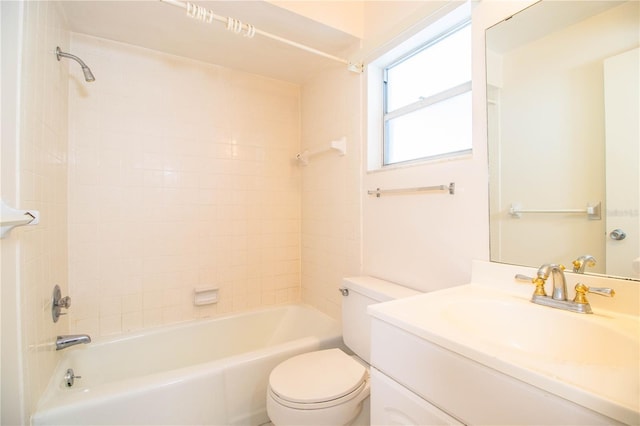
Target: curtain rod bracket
(357,67)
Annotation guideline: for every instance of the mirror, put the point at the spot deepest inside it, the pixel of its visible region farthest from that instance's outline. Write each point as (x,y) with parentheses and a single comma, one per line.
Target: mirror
(563,99)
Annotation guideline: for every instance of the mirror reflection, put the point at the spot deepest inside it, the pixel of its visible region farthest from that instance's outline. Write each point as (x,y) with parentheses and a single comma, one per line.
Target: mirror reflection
(563,109)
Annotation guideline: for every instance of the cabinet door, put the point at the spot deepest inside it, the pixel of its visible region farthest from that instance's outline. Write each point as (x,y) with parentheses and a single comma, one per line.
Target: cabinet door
(394,405)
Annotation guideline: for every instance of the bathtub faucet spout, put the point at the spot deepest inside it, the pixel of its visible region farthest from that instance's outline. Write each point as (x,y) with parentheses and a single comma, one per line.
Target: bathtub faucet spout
(71,340)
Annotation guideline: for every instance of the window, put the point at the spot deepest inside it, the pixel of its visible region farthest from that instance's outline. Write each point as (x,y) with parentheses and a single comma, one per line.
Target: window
(427,100)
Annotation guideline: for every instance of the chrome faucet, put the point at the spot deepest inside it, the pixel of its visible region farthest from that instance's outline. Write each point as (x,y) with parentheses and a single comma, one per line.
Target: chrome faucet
(557,275)
(583,261)
(71,340)
(558,299)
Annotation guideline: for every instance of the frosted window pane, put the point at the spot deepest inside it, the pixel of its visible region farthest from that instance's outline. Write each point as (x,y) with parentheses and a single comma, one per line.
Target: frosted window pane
(439,129)
(440,66)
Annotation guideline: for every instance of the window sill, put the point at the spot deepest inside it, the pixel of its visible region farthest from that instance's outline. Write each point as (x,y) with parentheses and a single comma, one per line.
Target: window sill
(445,158)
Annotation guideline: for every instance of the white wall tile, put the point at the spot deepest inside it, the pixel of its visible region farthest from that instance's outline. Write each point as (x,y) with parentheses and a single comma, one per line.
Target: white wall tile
(43,186)
(190,168)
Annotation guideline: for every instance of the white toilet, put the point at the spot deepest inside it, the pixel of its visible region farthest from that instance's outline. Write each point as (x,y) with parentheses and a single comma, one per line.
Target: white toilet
(329,387)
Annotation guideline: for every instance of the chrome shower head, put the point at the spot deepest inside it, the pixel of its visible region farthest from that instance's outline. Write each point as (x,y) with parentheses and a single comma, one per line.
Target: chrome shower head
(88,75)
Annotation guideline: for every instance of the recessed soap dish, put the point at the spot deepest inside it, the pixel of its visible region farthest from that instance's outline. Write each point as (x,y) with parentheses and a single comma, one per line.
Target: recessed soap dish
(205,296)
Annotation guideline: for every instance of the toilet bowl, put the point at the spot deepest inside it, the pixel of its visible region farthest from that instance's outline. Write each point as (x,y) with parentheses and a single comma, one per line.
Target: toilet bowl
(317,388)
(330,387)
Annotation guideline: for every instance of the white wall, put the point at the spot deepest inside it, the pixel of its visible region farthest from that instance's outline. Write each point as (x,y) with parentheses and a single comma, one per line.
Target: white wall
(423,241)
(334,240)
(331,211)
(347,16)
(427,240)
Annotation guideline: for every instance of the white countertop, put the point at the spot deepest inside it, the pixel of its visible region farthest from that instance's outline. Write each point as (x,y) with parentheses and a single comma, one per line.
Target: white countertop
(605,379)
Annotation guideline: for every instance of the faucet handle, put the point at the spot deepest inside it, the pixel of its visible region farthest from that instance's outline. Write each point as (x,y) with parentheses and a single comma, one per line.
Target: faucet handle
(583,261)
(58,303)
(64,302)
(582,290)
(538,281)
(523,278)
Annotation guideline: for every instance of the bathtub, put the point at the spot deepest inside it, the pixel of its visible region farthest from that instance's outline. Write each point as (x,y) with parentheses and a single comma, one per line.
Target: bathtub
(207,372)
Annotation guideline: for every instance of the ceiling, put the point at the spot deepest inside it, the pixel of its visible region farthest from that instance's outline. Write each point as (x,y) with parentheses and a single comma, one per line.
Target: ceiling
(161,26)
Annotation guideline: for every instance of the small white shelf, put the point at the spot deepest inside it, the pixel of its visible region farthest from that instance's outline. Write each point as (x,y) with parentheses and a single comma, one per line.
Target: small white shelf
(10,218)
(339,145)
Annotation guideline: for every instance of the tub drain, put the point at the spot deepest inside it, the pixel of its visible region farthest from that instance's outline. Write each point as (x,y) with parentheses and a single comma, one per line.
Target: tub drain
(70,377)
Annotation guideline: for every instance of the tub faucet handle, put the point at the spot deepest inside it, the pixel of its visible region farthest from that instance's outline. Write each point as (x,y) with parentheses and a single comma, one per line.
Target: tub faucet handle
(58,303)
(65,302)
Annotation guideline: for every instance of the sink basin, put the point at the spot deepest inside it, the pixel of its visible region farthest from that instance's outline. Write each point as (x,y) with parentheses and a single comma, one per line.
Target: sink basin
(543,332)
(590,359)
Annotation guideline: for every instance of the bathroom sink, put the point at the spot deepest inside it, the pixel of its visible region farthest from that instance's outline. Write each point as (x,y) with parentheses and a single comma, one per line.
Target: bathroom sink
(544,333)
(589,359)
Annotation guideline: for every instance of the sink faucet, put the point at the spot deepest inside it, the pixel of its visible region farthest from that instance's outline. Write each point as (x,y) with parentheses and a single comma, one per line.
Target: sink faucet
(557,275)
(71,340)
(583,261)
(559,299)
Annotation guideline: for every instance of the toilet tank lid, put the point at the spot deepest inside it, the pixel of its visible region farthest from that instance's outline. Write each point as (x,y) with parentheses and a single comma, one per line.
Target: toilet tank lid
(377,289)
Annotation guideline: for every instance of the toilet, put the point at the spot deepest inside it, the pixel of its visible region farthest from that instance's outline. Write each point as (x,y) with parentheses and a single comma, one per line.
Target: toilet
(330,387)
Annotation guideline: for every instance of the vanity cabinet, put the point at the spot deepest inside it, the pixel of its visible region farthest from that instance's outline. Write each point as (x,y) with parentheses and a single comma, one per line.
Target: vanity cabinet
(415,381)
(393,405)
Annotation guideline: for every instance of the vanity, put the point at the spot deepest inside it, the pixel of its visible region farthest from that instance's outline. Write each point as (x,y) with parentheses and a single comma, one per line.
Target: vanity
(482,353)
(562,108)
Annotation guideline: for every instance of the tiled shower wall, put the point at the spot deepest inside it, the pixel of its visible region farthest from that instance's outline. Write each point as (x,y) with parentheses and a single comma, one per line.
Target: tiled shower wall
(43,187)
(180,177)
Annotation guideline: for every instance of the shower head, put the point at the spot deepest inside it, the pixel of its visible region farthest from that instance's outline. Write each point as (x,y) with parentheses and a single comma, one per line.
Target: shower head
(88,75)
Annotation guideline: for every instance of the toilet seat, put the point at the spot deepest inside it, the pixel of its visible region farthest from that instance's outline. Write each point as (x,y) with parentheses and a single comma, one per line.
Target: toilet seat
(317,380)
(319,405)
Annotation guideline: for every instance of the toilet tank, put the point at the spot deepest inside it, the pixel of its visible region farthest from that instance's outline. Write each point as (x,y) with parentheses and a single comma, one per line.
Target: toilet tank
(356,323)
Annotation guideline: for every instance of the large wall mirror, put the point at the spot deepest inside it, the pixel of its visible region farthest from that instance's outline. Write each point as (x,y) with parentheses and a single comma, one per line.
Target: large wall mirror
(563,108)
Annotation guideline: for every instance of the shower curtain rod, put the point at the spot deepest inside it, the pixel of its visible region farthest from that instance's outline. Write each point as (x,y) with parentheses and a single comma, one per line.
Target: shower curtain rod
(237,26)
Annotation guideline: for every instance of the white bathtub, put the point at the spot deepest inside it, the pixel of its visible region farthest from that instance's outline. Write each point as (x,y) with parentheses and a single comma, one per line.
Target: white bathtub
(208,372)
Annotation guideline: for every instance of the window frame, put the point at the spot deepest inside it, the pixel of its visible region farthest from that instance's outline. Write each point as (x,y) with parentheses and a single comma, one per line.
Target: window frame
(423,102)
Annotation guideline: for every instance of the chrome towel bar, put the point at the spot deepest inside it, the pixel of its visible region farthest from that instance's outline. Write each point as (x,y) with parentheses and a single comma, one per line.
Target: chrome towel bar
(593,212)
(451,188)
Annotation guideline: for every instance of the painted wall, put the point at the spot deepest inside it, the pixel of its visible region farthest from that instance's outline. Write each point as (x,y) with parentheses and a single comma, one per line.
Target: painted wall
(388,22)
(427,240)
(40,183)
(331,210)
(347,16)
(333,106)
(180,176)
